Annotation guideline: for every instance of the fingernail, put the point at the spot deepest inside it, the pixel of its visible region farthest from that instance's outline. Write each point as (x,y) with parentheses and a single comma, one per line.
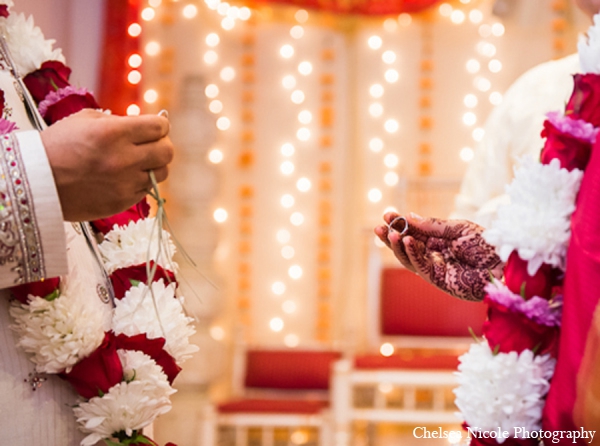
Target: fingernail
(416,216)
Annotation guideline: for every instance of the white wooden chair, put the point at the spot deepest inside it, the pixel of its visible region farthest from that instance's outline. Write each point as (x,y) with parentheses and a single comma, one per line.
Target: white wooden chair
(275,389)
(416,334)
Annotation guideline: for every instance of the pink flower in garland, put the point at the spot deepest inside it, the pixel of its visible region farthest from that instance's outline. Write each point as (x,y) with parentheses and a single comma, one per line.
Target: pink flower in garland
(7,126)
(64,102)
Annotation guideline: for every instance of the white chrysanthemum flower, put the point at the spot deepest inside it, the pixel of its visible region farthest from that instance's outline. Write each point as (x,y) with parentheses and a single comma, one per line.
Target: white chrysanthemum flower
(130,405)
(131,245)
(58,333)
(159,316)
(589,48)
(27,45)
(536,222)
(505,390)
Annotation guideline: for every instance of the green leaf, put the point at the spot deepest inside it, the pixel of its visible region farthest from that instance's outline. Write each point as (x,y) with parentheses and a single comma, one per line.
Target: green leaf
(496,349)
(112,443)
(134,282)
(523,290)
(53,295)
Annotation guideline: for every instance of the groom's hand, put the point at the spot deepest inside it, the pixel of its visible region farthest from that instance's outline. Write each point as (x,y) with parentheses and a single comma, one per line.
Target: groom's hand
(450,254)
(100,162)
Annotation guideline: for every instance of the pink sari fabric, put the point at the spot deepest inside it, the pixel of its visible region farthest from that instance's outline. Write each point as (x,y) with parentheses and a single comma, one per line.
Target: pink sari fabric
(573,402)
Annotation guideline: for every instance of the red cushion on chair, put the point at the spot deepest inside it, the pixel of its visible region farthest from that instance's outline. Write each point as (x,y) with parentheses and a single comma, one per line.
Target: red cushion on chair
(289,369)
(411,306)
(272,406)
(435,362)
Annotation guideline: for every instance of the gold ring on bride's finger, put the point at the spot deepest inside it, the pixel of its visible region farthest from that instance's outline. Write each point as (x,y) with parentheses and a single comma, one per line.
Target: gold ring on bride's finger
(395,222)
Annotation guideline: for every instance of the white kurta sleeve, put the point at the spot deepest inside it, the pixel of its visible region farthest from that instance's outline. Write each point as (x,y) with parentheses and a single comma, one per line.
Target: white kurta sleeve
(32,238)
(512,131)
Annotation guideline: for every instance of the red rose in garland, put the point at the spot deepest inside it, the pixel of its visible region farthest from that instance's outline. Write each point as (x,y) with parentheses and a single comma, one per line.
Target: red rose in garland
(572,151)
(519,281)
(51,76)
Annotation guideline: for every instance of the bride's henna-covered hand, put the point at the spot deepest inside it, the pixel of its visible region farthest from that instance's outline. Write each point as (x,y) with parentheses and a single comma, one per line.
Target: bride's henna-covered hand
(450,254)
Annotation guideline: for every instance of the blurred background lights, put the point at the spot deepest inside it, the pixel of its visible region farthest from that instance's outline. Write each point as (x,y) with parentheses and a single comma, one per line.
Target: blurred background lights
(390,25)
(375,195)
(303,134)
(404,19)
(190,11)
(470,100)
(292,340)
(283,236)
(133,110)
(298,97)
(495,66)
(376,90)
(288,252)
(287,167)
(276,324)
(391,178)
(457,17)
(287,201)
(287,149)
(211,91)
(478,134)
(469,118)
(278,288)
(154,3)
(150,96)
(220,215)
(391,160)
(148,14)
(215,106)
(305,68)
(388,57)
(227,74)
(295,272)
(386,349)
(445,9)
(475,16)
(223,123)
(473,66)
(498,29)
(391,76)
(134,30)
(374,42)
(286,51)
(215,156)
(288,82)
(217,333)
(376,109)
(135,60)
(134,77)
(227,23)
(289,306)
(391,126)
(305,117)
(210,57)
(303,184)
(482,84)
(152,48)
(466,154)
(212,39)
(297,218)
(376,145)
(301,16)
(297,32)
(495,98)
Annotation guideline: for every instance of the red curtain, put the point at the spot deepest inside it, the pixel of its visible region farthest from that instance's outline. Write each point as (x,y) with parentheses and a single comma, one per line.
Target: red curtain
(115,92)
(362,7)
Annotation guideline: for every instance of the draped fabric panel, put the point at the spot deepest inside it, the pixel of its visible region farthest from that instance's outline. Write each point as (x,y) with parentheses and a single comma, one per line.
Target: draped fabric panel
(114,91)
(359,7)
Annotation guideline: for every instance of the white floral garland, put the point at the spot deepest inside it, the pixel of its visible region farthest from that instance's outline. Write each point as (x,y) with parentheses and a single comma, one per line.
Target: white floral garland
(508,390)
(59,333)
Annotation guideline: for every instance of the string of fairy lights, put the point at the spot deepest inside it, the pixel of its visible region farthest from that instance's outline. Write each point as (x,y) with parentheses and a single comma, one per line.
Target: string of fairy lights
(313,126)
